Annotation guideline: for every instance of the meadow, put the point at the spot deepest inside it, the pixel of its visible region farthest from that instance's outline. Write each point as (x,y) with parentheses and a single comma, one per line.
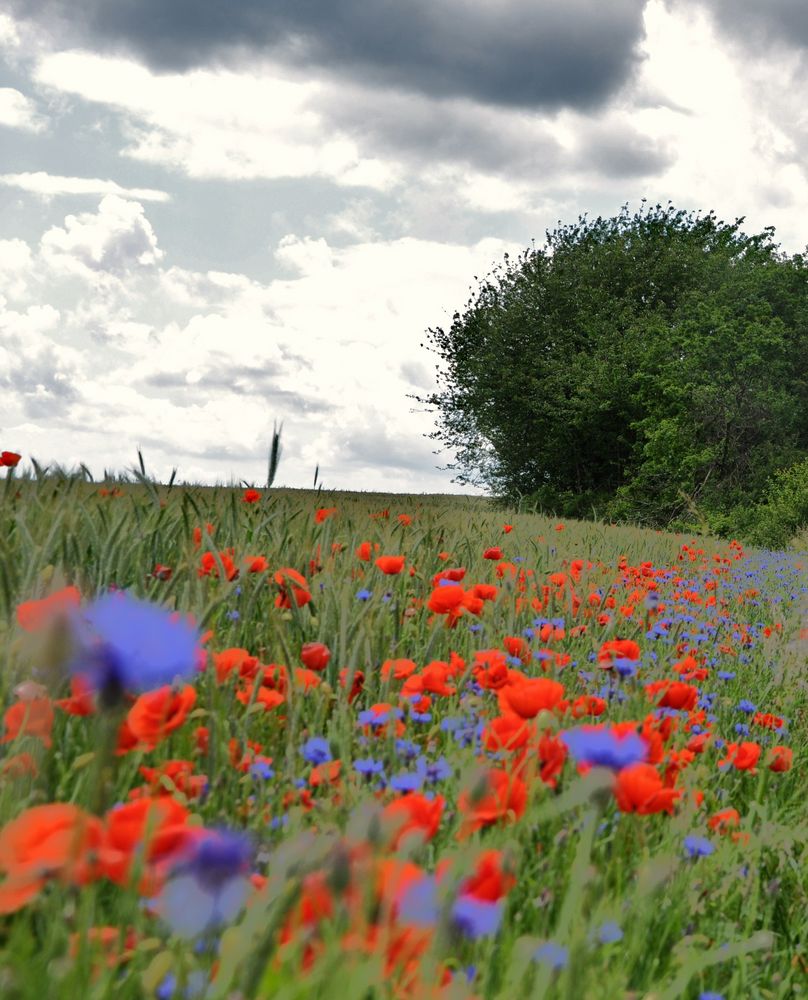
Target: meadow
(292,744)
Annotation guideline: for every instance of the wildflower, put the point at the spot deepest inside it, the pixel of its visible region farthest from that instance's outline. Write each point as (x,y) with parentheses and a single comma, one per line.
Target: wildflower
(287,580)
(609,933)
(639,789)
(551,954)
(495,552)
(323,514)
(698,847)
(363,594)
(498,796)
(156,714)
(413,814)
(605,747)
(476,918)
(208,883)
(125,644)
(35,615)
(251,496)
(32,717)
(58,841)
(316,750)
(9,459)
(315,655)
(530,696)
(390,565)
(743,756)
(780,758)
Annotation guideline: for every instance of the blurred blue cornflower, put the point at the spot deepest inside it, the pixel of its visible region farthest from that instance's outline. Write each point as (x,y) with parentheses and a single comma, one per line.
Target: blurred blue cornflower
(605,747)
(126,644)
(364,595)
(316,750)
(208,885)
(698,847)
(551,954)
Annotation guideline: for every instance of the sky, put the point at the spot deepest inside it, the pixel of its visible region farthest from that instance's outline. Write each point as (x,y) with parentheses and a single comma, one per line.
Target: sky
(215,218)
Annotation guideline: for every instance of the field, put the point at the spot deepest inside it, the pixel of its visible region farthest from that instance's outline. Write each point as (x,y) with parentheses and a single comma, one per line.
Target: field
(296,744)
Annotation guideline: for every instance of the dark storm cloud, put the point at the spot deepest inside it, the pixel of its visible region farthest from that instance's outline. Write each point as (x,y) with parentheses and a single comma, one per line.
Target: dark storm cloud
(757,22)
(620,153)
(397,125)
(521,53)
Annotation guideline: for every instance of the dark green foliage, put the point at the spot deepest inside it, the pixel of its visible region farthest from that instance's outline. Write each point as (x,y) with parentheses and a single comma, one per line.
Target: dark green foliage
(653,368)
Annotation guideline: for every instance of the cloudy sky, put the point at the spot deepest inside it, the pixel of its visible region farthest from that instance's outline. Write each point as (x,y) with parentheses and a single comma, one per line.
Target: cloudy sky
(215,216)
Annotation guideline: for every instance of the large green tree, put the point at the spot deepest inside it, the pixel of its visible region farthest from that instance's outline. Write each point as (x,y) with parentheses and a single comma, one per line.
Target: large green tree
(642,366)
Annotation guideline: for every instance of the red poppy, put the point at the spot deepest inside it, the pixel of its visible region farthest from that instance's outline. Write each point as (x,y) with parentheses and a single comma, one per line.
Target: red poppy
(618,649)
(530,696)
(251,496)
(363,551)
(507,528)
(315,655)
(413,813)
(145,834)
(680,696)
(780,758)
(639,789)
(9,458)
(256,564)
(157,713)
(58,840)
(161,572)
(29,718)
(725,820)
(507,732)
(323,514)
(390,565)
(289,579)
(404,519)
(490,880)
(209,529)
(495,552)
(399,670)
(499,796)
(35,615)
(81,700)
(743,756)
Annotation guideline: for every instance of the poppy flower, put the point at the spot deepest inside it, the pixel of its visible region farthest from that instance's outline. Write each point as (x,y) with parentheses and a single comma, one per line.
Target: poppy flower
(507,732)
(251,496)
(617,649)
(494,552)
(390,565)
(35,615)
(413,813)
(639,789)
(315,655)
(323,514)
(209,567)
(57,840)
(161,572)
(144,835)
(530,696)
(9,458)
(680,696)
(405,520)
(29,718)
(490,880)
(447,599)
(363,552)
(498,796)
(156,714)
(726,819)
(780,758)
(743,756)
(256,564)
(197,533)
(289,579)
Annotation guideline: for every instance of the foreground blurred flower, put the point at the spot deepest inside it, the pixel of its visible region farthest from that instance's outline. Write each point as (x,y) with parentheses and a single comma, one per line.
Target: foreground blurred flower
(57,841)
(35,615)
(9,459)
(125,644)
(208,883)
(605,747)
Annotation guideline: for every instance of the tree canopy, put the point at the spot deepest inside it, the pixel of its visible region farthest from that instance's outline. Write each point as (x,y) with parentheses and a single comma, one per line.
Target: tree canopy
(645,367)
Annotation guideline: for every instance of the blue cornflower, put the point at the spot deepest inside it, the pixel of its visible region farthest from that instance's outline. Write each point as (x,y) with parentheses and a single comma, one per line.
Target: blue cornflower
(407,781)
(438,770)
(368,765)
(364,595)
(551,954)
(208,885)
(316,750)
(233,615)
(406,749)
(698,847)
(476,918)
(604,747)
(609,932)
(419,903)
(126,644)
(744,705)
(260,769)
(711,995)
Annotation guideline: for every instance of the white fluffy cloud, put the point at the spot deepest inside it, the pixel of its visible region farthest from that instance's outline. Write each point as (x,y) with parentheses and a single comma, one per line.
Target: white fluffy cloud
(332,350)
(19,111)
(50,185)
